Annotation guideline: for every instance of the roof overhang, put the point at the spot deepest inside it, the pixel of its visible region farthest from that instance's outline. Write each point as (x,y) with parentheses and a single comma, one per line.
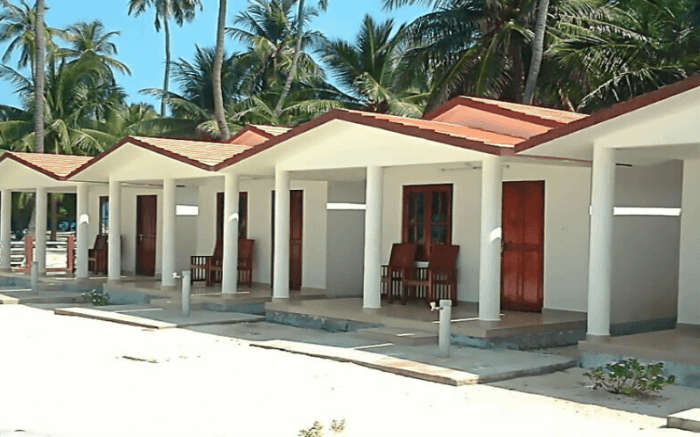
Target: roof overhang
(340,143)
(19,175)
(654,127)
(134,160)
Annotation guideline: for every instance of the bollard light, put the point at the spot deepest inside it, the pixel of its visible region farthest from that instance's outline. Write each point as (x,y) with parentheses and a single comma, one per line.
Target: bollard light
(186,292)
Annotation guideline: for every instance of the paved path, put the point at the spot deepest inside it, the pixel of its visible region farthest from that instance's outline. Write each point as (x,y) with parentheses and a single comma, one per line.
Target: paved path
(67,376)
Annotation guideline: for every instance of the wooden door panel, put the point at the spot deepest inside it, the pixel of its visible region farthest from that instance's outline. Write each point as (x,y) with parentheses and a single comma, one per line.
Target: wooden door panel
(146,234)
(522,259)
(296,220)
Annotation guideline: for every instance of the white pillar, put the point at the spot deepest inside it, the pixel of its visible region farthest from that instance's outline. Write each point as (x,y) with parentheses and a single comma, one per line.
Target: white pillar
(169,234)
(371,292)
(229,282)
(491,237)
(600,255)
(5,229)
(82,229)
(280,288)
(40,233)
(114,244)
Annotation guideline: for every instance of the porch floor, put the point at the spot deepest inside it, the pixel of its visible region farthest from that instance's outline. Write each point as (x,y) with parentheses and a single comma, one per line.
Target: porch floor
(678,345)
(416,316)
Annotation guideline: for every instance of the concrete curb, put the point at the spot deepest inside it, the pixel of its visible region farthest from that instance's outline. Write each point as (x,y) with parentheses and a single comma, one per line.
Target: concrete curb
(399,366)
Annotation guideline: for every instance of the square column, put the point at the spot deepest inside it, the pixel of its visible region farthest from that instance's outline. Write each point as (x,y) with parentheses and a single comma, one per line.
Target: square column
(280,287)
(229,281)
(371,291)
(491,239)
(82,229)
(114,243)
(5,229)
(600,255)
(40,231)
(168,266)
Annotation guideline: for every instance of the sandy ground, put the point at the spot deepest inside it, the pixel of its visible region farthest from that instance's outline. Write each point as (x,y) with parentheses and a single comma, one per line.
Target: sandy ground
(67,376)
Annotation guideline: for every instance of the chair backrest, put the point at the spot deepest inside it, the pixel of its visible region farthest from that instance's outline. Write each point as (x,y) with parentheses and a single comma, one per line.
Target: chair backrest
(245,249)
(403,255)
(218,249)
(443,258)
(100,242)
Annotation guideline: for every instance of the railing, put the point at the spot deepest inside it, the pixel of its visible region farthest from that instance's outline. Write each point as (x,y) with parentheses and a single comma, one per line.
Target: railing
(22,253)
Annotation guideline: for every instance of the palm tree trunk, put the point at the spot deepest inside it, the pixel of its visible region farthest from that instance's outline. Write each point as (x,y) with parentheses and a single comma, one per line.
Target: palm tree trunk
(295,61)
(39,78)
(537,51)
(219,110)
(516,54)
(166,78)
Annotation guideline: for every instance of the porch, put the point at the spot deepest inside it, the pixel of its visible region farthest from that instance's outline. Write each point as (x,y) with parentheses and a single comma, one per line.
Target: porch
(514,330)
(678,349)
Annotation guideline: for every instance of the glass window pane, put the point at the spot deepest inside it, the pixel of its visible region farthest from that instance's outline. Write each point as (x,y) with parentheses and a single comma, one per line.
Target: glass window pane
(438,234)
(415,234)
(416,205)
(440,207)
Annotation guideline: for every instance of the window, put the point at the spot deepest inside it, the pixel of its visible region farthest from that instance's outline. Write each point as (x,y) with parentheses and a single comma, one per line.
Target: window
(104,215)
(242,215)
(427,217)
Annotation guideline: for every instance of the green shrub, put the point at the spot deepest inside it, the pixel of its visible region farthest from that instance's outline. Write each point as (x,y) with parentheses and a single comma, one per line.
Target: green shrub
(97,297)
(630,377)
(316,430)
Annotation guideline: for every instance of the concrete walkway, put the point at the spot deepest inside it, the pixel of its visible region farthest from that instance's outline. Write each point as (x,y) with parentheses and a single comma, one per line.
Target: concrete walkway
(19,295)
(465,365)
(153,317)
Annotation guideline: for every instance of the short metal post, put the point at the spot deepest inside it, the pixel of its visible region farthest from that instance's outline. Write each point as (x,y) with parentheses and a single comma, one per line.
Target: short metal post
(34,278)
(186,292)
(445,321)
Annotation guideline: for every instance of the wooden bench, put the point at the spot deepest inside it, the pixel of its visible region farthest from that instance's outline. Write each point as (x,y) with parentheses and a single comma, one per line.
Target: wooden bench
(209,268)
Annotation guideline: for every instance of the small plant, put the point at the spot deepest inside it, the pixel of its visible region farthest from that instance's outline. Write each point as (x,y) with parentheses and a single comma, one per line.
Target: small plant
(630,377)
(316,430)
(97,297)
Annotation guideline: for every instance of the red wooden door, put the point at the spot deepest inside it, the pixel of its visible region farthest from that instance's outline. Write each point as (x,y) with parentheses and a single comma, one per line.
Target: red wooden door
(242,215)
(146,225)
(296,226)
(296,222)
(522,258)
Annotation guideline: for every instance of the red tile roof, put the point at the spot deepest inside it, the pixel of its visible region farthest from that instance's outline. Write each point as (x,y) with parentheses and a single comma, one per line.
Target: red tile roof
(613,111)
(52,165)
(206,153)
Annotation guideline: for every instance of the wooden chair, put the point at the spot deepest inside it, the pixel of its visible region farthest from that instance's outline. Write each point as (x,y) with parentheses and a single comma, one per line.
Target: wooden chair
(97,256)
(400,268)
(245,261)
(210,268)
(440,280)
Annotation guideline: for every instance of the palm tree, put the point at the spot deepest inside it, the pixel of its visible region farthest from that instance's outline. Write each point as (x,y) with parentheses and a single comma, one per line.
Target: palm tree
(91,39)
(40,60)
(302,17)
(537,51)
(219,111)
(606,52)
(473,46)
(182,11)
(17,25)
(373,68)
(266,28)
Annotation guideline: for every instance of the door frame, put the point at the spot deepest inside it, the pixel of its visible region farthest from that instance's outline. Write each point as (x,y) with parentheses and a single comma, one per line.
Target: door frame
(540,293)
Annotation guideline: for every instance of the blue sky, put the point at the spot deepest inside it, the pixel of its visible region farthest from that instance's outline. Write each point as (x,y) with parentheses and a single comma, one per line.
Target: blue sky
(141,48)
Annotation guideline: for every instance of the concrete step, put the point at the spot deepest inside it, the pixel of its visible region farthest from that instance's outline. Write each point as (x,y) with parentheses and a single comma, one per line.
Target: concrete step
(688,420)
(409,337)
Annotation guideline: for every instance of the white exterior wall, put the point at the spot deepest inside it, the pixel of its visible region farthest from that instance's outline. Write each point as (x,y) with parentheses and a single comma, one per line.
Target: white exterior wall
(566,229)
(346,236)
(689,273)
(260,226)
(185,226)
(646,248)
